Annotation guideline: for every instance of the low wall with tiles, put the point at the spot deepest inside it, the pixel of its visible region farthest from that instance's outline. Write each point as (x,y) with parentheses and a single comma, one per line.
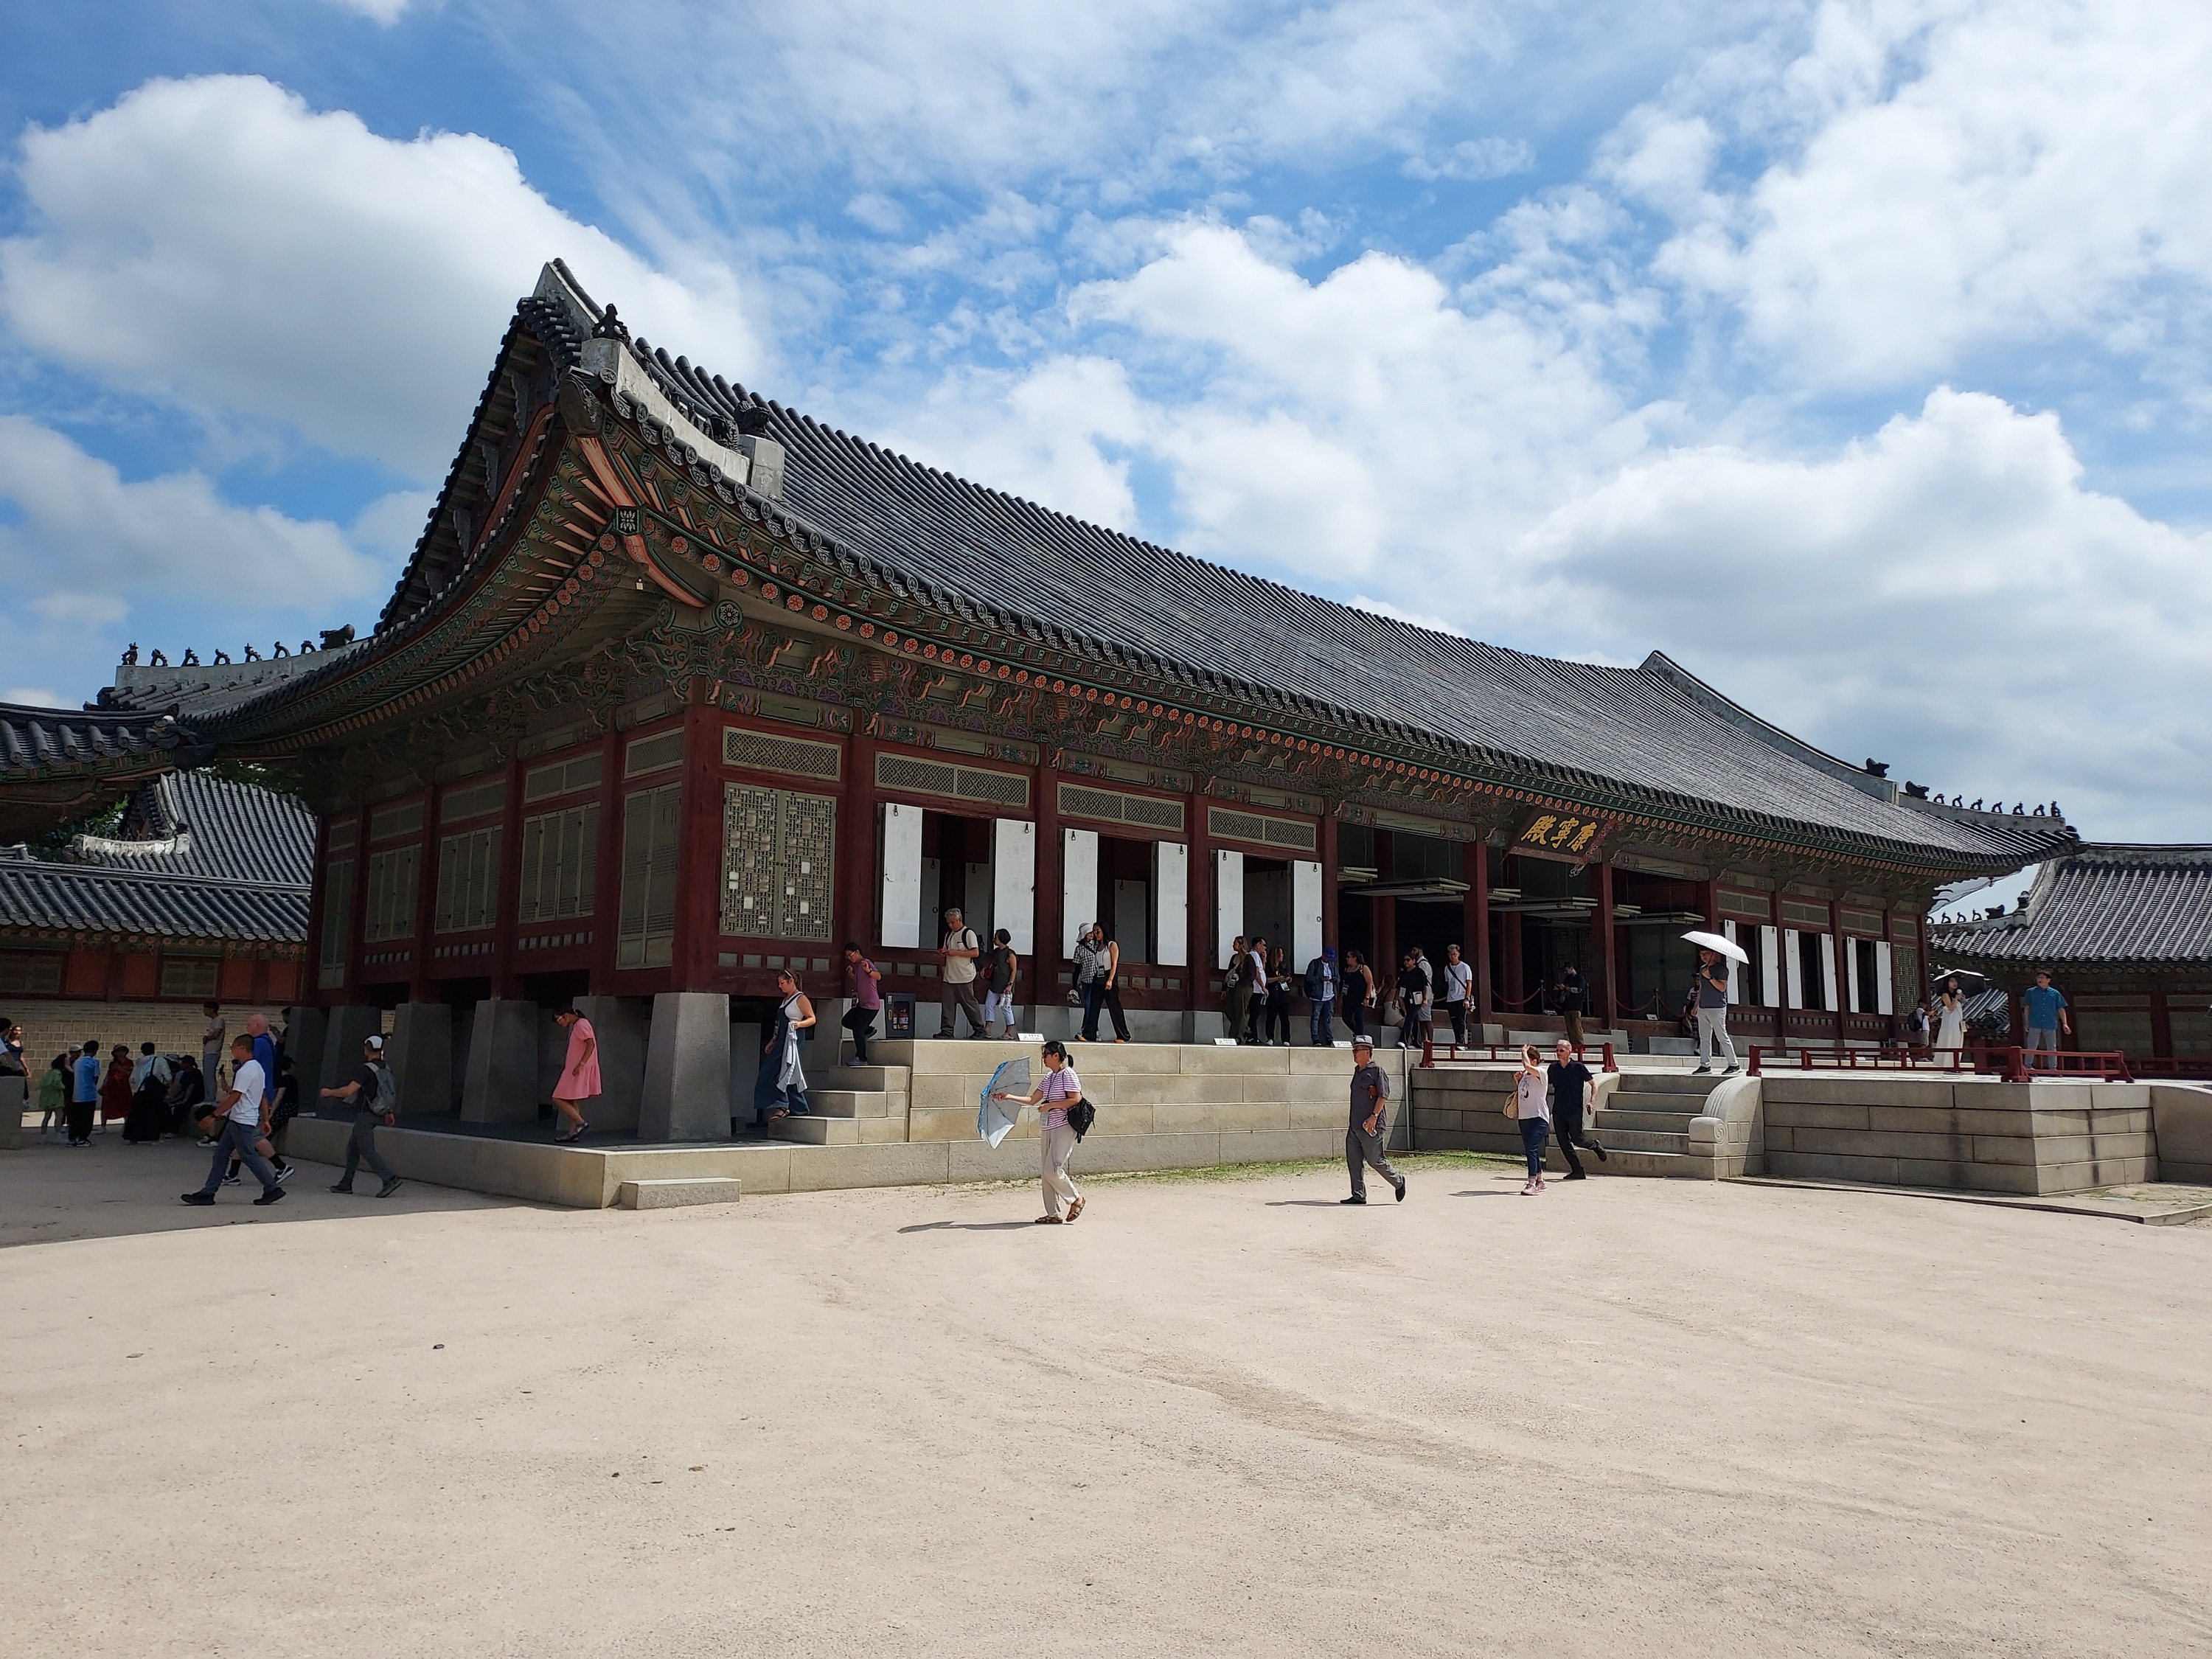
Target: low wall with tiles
(1970,1134)
(174,1027)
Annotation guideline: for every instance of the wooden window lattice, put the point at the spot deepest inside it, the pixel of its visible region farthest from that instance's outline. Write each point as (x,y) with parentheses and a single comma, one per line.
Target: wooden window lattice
(646,934)
(560,864)
(778,858)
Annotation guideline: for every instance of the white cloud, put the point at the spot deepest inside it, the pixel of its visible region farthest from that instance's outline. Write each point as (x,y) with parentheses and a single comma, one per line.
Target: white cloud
(1954,172)
(217,242)
(1945,593)
(33,697)
(1475,159)
(89,541)
(387,12)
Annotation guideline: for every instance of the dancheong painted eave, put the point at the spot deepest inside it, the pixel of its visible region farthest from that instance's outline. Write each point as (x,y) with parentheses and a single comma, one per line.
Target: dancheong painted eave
(520,567)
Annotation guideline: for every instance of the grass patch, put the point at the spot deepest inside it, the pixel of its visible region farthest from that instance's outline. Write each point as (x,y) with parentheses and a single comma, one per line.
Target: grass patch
(1405,1163)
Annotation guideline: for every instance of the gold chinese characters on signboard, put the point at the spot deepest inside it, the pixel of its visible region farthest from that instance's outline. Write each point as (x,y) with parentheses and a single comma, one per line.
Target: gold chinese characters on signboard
(1569,836)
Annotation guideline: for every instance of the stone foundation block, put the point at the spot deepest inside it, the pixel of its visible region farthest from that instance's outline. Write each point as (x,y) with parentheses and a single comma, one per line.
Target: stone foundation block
(620,1025)
(686,1095)
(502,1085)
(344,1030)
(676,1194)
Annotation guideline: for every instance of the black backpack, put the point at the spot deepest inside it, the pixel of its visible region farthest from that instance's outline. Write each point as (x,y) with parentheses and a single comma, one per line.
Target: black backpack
(1080,1117)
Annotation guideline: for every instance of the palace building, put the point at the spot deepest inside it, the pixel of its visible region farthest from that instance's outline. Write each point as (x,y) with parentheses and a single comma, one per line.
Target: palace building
(681,687)
(2126,933)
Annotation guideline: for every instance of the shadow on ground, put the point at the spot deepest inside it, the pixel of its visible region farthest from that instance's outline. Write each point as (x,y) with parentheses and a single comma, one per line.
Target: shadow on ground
(50,1194)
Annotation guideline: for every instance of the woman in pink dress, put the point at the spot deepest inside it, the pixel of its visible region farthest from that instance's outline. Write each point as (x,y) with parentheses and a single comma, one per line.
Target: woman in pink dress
(579,1073)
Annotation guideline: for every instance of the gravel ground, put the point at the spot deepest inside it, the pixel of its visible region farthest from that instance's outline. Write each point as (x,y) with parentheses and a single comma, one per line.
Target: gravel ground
(1219,1417)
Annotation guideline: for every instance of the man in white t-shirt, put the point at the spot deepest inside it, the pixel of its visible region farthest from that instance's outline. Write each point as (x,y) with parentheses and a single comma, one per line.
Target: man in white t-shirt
(957,976)
(246,1106)
(1458,986)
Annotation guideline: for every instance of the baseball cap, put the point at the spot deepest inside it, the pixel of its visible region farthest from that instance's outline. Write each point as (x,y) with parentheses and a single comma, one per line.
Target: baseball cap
(375,1043)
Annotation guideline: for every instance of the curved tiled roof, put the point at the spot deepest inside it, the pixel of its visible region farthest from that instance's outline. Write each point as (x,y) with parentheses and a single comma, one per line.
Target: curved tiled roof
(2106,902)
(196,823)
(1648,728)
(35,893)
(35,741)
(1650,738)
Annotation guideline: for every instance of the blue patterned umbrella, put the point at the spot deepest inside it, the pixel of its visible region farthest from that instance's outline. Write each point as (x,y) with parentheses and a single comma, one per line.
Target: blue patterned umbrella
(995,1118)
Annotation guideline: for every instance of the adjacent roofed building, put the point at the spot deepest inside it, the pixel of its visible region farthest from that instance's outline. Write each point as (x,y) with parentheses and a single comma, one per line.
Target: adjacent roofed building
(2126,932)
(682,687)
(201,892)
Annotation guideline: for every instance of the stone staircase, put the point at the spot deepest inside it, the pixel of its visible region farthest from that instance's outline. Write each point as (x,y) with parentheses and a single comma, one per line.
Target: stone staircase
(1644,1126)
(853,1106)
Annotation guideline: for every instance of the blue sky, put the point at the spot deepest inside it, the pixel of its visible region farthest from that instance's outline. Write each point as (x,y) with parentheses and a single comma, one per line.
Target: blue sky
(1854,355)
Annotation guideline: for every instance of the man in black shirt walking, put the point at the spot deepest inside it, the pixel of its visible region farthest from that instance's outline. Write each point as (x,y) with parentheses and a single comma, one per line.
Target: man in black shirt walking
(1572,1086)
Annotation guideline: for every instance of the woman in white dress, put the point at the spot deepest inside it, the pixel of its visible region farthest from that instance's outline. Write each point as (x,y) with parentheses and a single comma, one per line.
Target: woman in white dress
(1951,1017)
(780,1089)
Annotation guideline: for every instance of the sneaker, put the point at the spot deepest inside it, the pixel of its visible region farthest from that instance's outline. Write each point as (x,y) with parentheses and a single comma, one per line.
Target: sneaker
(230,1181)
(1121,1039)
(283,1173)
(198,1199)
(1576,1175)
(270,1196)
(1702,1070)
(1356,1198)
(1401,1189)
(1599,1149)
(389,1188)
(1731,1071)
(342,1187)
(206,1141)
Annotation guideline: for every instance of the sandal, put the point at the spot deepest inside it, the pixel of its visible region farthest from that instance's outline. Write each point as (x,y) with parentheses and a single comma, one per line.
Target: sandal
(1075,1209)
(1047,1221)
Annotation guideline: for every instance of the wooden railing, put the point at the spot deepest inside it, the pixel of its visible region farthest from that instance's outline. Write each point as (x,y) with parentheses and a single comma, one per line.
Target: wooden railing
(2011,1065)
(1477,1053)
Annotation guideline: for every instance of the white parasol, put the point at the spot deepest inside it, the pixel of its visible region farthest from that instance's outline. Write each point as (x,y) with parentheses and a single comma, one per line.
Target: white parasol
(995,1118)
(1722,942)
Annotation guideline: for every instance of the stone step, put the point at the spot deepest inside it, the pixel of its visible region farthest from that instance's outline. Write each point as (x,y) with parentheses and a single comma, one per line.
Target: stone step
(679,1192)
(850,1102)
(896,1078)
(1652,1100)
(1608,1122)
(1624,1162)
(1643,1140)
(815,1130)
(1672,1083)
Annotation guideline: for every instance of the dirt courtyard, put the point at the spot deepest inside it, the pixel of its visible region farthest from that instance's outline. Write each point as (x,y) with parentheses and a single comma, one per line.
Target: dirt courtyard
(1214,1417)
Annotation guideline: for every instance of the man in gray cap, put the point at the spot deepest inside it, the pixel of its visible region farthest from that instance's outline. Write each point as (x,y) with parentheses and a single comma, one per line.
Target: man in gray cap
(1363,1137)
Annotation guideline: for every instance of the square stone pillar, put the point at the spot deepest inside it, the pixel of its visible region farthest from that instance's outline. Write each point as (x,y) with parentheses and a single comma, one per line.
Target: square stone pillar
(420,1056)
(344,1030)
(303,1039)
(14,1096)
(620,1025)
(501,1086)
(687,1068)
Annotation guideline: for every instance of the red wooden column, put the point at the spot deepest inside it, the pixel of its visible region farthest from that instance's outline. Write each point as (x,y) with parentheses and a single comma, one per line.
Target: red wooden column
(699,853)
(1385,912)
(1208,955)
(606,870)
(426,901)
(1329,935)
(1510,990)
(1049,957)
(2161,1025)
(506,901)
(856,854)
(1606,944)
(354,949)
(1474,926)
(310,992)
(1838,946)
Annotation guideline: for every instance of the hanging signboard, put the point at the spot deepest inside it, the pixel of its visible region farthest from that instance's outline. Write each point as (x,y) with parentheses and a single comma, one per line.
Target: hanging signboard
(1569,837)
